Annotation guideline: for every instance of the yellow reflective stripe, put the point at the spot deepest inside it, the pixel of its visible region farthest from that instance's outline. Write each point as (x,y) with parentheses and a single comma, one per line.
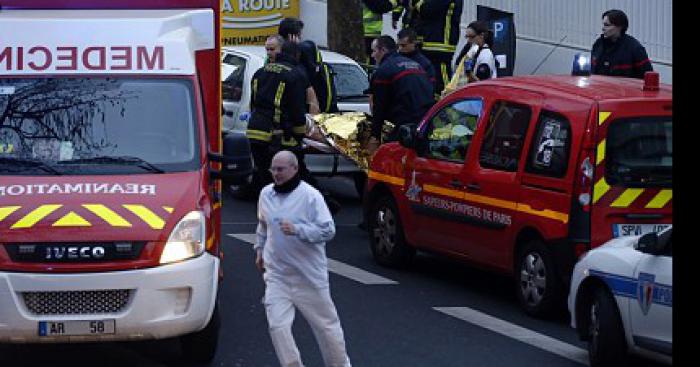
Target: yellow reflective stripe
(259,135)
(660,200)
(602,116)
(217,205)
(255,86)
(443,191)
(210,242)
(445,77)
(72,220)
(419,5)
(168,209)
(6,211)
(448,23)
(108,215)
(329,96)
(491,201)
(291,142)
(600,188)
(35,216)
(436,46)
(546,213)
(299,129)
(146,215)
(278,102)
(386,178)
(601,152)
(627,198)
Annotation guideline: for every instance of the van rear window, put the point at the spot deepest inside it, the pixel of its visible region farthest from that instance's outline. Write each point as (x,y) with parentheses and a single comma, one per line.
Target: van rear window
(639,152)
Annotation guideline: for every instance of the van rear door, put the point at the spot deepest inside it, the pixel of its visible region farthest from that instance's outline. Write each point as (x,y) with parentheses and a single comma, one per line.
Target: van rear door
(632,191)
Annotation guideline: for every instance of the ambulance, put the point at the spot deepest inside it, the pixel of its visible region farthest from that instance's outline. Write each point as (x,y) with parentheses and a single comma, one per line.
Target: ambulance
(110,193)
(523,175)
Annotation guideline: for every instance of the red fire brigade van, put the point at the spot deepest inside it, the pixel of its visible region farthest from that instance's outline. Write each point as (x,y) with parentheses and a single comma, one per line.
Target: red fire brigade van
(109,204)
(524,174)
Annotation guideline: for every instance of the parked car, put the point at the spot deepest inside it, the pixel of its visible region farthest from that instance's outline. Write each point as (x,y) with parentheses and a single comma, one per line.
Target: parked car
(621,299)
(523,174)
(239,63)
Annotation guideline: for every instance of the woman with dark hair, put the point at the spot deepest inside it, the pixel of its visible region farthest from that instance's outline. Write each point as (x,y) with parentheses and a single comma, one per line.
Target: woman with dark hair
(615,52)
(475,61)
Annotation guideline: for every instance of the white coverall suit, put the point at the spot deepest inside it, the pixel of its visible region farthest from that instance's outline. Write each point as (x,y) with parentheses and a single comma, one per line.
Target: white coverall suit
(296,272)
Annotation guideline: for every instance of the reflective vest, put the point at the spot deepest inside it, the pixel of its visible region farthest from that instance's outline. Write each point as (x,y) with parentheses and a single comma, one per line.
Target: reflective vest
(372,22)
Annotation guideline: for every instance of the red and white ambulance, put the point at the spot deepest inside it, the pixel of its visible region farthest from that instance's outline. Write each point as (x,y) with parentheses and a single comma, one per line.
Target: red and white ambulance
(522,175)
(109,205)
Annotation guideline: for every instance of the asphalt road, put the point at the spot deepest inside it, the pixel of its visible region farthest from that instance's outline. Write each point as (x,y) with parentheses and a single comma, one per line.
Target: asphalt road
(435,313)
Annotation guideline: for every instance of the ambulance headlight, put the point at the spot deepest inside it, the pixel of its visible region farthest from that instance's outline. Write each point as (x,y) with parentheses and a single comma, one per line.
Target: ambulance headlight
(187,240)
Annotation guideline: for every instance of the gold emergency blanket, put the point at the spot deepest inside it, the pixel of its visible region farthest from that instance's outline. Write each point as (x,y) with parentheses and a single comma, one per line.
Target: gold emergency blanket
(346,132)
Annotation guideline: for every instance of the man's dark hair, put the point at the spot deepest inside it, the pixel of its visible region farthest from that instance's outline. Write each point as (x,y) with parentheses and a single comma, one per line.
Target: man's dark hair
(407,33)
(617,18)
(290,26)
(387,43)
(290,49)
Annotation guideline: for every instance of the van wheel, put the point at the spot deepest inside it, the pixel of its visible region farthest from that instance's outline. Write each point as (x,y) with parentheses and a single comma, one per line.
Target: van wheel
(200,346)
(387,241)
(538,287)
(606,338)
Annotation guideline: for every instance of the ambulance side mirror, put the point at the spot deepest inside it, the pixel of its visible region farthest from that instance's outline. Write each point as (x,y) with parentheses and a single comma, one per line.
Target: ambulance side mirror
(407,136)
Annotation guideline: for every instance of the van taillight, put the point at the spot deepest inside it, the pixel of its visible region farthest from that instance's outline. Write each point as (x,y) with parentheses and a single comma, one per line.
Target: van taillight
(584,189)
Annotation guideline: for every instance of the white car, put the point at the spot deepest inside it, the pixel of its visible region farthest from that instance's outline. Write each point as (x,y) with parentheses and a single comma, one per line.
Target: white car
(239,63)
(621,299)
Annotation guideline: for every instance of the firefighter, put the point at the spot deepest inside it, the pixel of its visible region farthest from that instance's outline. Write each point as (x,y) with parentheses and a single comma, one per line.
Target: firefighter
(277,107)
(401,91)
(323,96)
(407,42)
(372,14)
(437,25)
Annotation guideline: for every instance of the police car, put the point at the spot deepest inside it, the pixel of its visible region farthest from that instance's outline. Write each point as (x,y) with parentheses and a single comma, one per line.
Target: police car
(621,299)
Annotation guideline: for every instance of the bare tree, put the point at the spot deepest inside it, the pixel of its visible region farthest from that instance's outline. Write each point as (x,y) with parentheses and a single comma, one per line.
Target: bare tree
(345,33)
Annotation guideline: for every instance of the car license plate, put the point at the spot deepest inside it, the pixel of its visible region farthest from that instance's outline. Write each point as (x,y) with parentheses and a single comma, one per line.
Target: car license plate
(637,229)
(76,327)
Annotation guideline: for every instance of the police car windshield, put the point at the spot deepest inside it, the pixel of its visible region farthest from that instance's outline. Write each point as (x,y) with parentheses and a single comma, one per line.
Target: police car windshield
(56,121)
(639,152)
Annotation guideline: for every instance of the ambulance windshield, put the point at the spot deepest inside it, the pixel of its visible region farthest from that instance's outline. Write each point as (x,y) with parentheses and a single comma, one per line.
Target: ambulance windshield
(639,152)
(97,125)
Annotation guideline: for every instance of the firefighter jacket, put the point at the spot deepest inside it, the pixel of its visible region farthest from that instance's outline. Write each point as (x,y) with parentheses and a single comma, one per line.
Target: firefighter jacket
(418,57)
(626,57)
(320,76)
(401,92)
(437,24)
(372,11)
(278,103)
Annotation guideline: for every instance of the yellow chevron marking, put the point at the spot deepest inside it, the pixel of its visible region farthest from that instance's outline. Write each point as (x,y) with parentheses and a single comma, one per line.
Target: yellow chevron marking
(108,215)
(660,200)
(146,215)
(386,178)
(210,242)
(35,216)
(602,116)
(217,205)
(72,220)
(601,152)
(627,198)
(600,189)
(6,211)
(168,209)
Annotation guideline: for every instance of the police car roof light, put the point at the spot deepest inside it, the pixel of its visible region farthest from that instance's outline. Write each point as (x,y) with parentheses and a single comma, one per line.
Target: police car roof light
(582,65)
(651,81)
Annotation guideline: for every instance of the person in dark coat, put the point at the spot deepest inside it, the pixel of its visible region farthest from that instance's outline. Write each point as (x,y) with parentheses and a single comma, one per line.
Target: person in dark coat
(400,89)
(616,53)
(408,46)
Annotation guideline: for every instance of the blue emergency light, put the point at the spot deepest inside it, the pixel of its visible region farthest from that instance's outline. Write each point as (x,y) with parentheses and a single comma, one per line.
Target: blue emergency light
(582,65)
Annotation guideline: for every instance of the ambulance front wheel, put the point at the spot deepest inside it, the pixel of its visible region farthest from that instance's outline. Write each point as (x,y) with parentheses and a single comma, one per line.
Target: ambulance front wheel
(538,287)
(200,347)
(387,240)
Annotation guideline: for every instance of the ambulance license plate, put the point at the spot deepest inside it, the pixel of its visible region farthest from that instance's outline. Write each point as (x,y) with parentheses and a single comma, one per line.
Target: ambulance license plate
(76,327)
(637,229)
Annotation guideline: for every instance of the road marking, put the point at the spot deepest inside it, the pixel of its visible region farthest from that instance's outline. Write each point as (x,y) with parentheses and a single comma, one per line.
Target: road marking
(516,332)
(334,266)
